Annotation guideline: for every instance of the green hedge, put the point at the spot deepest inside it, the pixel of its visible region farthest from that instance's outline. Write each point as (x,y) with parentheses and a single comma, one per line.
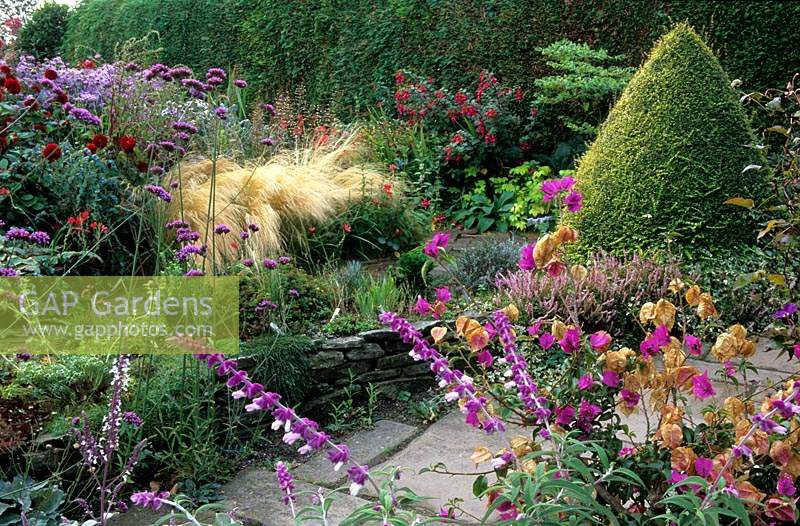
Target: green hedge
(672,150)
(42,35)
(340,50)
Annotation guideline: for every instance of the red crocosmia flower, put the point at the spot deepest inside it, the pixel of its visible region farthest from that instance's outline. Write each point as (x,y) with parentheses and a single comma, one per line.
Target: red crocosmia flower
(50,74)
(40,127)
(100,140)
(88,64)
(425,203)
(347,228)
(12,85)
(92,147)
(78,221)
(96,225)
(387,189)
(51,152)
(4,191)
(127,143)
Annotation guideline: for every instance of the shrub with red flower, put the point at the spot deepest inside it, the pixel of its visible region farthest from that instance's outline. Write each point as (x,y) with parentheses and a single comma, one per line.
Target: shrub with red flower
(126,143)
(51,152)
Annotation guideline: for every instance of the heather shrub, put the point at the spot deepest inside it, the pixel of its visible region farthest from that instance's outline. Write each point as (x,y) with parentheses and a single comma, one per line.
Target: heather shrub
(603,294)
(479,265)
(670,153)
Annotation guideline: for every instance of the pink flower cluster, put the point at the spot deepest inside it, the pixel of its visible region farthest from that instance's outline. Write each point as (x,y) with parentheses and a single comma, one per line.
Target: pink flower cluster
(553,188)
(437,244)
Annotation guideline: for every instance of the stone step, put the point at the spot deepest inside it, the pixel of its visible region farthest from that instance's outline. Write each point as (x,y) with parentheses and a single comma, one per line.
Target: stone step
(256,498)
(370,447)
(451,441)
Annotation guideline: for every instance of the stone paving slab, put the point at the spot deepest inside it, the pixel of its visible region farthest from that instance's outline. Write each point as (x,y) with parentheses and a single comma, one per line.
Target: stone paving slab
(370,447)
(256,497)
(451,441)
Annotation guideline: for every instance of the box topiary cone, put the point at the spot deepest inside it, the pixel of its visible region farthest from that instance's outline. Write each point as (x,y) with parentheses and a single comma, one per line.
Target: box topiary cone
(672,150)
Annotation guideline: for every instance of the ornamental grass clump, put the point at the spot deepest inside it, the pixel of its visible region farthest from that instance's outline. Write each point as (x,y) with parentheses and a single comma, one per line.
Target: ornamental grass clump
(285,196)
(669,155)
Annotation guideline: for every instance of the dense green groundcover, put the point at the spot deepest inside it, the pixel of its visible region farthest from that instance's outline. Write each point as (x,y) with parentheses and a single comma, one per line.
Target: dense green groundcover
(672,150)
(340,50)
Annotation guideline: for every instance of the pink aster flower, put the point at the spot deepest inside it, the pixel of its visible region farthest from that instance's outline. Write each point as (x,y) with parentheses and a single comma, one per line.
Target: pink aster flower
(443,294)
(611,379)
(786,486)
(701,386)
(600,340)
(437,244)
(630,398)
(565,415)
(574,201)
(571,340)
(585,382)
(703,466)
(693,344)
(422,307)
(546,340)
(526,261)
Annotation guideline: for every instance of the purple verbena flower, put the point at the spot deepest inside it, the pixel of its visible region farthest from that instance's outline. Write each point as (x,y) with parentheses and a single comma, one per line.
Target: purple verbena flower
(39,237)
(159,192)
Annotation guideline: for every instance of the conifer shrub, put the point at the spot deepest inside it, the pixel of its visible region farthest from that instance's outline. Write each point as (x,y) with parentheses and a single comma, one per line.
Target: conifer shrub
(672,150)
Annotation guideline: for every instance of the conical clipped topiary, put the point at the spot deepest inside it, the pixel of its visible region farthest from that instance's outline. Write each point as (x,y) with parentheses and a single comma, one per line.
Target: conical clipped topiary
(672,150)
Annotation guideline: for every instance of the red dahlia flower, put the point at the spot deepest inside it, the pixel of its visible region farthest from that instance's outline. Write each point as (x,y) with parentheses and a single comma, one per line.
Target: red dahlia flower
(92,147)
(51,152)
(50,74)
(100,140)
(12,85)
(127,143)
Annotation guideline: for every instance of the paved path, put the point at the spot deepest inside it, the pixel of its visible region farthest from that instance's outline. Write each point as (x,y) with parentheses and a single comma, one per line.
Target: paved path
(255,495)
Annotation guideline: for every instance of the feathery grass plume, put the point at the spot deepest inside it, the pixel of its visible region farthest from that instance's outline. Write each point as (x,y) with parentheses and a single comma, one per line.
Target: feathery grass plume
(292,191)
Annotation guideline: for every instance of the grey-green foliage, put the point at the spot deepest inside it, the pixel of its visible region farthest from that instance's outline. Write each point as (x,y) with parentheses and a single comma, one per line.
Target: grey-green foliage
(40,502)
(477,266)
(65,380)
(583,84)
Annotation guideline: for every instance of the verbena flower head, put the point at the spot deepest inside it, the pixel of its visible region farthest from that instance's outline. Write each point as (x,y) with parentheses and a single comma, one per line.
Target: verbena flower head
(132,418)
(8,272)
(159,192)
(39,237)
(17,233)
